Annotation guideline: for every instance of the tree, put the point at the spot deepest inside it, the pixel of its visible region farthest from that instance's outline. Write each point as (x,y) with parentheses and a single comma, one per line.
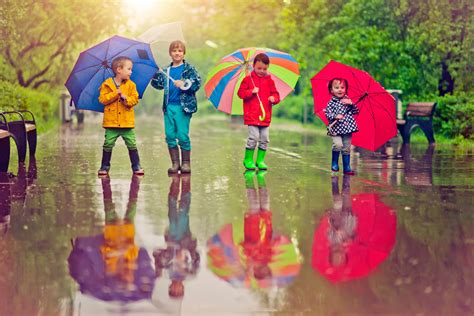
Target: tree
(39,36)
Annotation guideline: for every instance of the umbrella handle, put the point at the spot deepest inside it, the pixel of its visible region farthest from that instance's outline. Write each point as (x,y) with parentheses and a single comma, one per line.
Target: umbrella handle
(187,82)
(261,117)
(161,70)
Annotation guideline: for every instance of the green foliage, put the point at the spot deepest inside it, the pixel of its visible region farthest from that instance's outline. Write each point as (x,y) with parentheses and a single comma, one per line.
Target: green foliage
(293,107)
(40,38)
(454,116)
(43,105)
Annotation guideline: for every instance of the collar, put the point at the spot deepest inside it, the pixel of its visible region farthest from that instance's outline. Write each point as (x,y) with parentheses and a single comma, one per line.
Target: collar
(254,75)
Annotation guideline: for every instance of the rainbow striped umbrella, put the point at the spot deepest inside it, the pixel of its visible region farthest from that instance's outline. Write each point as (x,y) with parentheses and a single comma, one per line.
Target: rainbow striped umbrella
(227,259)
(224,79)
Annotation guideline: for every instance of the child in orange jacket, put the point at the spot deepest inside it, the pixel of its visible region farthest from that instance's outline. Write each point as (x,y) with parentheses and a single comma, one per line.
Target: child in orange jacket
(119,95)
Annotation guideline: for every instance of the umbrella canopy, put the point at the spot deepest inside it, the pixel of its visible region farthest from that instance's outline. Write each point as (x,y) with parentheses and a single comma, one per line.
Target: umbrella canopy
(225,78)
(88,268)
(94,66)
(373,241)
(160,36)
(232,260)
(377,118)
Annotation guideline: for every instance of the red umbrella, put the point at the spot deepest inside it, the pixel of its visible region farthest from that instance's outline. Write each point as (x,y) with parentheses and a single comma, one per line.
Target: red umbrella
(371,243)
(377,119)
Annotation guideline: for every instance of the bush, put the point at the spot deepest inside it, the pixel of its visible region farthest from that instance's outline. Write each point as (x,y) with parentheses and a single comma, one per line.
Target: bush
(43,105)
(292,107)
(454,115)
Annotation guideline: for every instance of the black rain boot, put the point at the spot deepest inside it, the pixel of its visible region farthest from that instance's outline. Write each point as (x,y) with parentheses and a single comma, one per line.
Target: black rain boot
(105,164)
(185,161)
(174,155)
(135,161)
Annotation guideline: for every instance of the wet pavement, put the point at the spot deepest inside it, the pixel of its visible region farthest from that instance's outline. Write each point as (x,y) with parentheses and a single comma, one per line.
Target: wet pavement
(396,239)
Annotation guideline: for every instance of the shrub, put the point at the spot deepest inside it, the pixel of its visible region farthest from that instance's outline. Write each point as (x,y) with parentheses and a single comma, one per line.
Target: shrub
(454,115)
(292,107)
(43,105)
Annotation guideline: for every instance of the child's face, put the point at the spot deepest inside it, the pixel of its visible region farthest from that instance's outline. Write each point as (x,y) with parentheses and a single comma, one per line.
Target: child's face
(125,71)
(177,55)
(260,69)
(338,89)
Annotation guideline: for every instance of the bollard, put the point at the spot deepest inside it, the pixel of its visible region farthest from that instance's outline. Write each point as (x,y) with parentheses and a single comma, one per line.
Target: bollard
(396,94)
(65,109)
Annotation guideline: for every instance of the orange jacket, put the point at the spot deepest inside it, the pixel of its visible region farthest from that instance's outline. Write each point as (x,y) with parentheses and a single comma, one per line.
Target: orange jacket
(116,113)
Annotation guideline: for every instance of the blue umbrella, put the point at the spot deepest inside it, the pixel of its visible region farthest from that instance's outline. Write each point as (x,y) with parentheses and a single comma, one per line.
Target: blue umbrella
(94,66)
(88,269)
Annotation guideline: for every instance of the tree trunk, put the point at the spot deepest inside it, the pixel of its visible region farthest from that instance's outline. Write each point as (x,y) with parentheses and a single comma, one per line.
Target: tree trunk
(446,82)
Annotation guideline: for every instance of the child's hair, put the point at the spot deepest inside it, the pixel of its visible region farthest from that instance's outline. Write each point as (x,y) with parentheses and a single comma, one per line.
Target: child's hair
(119,62)
(263,58)
(346,84)
(177,44)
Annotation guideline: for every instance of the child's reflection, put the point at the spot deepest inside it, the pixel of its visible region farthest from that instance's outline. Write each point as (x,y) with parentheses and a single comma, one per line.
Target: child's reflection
(180,258)
(110,266)
(119,251)
(354,236)
(248,252)
(342,223)
(258,229)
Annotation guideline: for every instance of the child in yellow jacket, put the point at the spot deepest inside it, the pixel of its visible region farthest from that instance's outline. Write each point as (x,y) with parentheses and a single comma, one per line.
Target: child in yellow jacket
(119,95)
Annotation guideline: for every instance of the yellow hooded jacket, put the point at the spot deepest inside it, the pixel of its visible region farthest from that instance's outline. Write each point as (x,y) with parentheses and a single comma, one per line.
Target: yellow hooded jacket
(116,113)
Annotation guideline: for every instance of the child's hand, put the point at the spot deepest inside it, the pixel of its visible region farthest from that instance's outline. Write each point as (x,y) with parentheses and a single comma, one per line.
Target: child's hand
(339,117)
(346,101)
(271,99)
(255,90)
(123,98)
(178,83)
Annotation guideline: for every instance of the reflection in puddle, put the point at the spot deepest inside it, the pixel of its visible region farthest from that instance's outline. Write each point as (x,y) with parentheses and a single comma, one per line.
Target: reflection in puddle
(180,259)
(248,252)
(15,187)
(110,266)
(355,236)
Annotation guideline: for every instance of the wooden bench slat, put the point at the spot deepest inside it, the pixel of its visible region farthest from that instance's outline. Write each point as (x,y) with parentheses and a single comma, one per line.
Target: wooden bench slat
(30,127)
(4,133)
(420,108)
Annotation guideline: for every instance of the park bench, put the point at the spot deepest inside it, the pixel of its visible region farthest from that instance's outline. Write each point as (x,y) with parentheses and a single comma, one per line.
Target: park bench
(4,144)
(417,114)
(22,130)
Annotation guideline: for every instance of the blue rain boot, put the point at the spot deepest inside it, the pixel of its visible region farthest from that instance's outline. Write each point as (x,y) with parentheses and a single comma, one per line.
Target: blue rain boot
(346,163)
(335,161)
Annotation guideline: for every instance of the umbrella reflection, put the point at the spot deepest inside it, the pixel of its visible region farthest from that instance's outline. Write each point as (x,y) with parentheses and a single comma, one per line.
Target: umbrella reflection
(110,266)
(353,237)
(180,259)
(248,252)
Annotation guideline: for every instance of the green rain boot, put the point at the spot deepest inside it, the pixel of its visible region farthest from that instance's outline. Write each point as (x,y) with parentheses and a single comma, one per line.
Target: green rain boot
(248,160)
(260,159)
(261,178)
(248,175)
